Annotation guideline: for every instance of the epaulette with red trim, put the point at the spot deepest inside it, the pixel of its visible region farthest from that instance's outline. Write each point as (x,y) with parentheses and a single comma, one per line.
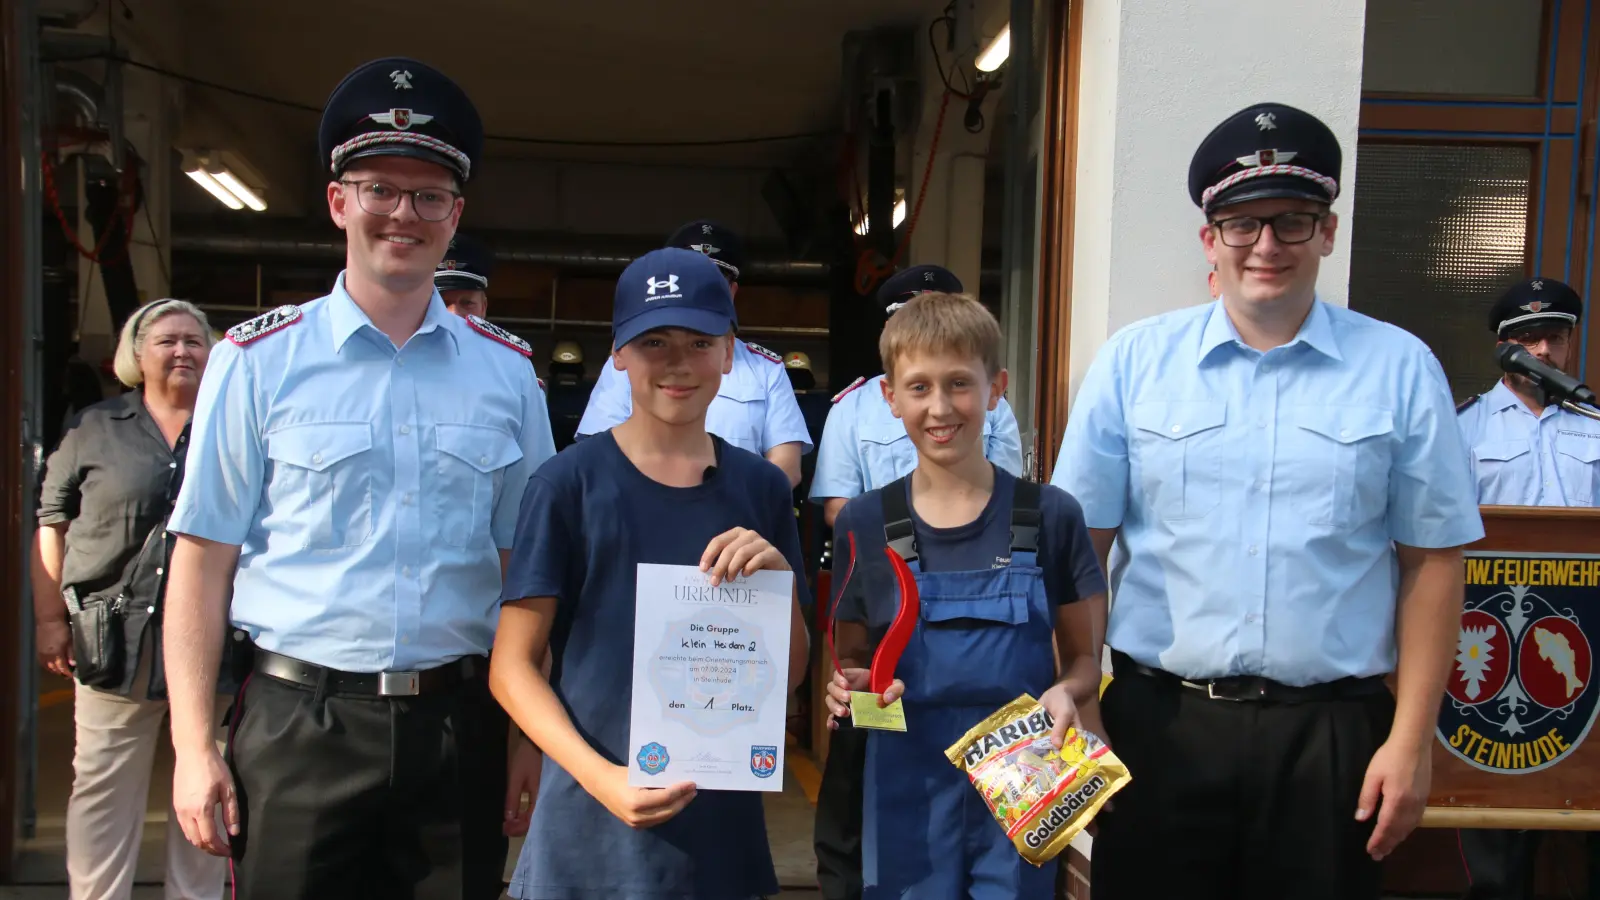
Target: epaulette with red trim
(850,387)
(1466,404)
(763,352)
(495,333)
(264,324)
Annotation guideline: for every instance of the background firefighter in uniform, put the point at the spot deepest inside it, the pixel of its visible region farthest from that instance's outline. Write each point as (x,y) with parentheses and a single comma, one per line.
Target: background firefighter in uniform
(503,767)
(1528,451)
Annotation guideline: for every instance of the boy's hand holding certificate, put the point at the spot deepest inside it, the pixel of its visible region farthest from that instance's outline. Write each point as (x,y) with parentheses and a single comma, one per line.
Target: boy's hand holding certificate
(710,679)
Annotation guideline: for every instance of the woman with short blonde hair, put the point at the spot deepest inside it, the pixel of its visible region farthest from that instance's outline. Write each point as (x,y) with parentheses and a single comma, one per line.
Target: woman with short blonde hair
(134,332)
(98,592)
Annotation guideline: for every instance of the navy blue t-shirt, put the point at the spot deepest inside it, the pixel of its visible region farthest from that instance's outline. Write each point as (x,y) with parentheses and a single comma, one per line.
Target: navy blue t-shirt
(588,518)
(1066,555)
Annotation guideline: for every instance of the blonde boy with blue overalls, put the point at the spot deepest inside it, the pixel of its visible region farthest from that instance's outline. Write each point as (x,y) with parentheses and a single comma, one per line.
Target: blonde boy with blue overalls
(1005,571)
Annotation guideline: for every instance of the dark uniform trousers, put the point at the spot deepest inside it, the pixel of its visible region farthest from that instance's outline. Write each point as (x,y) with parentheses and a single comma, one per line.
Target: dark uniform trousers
(357,796)
(837,830)
(1236,800)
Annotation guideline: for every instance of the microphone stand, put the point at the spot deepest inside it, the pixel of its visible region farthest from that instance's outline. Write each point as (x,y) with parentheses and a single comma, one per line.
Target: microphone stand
(1586,411)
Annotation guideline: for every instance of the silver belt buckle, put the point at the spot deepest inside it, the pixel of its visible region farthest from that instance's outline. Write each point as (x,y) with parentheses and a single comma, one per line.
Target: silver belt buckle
(1209,687)
(399,684)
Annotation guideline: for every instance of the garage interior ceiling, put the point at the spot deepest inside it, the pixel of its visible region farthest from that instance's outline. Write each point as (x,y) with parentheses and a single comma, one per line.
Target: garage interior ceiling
(598,70)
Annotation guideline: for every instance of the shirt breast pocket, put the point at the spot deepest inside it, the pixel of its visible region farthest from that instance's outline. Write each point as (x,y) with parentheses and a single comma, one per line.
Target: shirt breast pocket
(1340,459)
(322,483)
(1577,454)
(1176,456)
(1507,472)
(472,463)
(742,419)
(886,450)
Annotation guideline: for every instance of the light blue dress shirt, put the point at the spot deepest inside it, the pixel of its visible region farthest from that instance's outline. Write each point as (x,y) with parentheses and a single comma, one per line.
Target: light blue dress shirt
(369,487)
(864,446)
(1519,459)
(754,410)
(1258,493)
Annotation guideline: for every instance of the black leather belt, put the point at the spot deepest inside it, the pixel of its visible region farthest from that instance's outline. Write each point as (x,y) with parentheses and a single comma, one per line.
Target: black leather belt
(1253,687)
(369,684)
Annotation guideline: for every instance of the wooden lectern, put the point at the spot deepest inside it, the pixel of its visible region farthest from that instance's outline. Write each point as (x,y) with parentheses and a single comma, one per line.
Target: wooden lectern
(1514,747)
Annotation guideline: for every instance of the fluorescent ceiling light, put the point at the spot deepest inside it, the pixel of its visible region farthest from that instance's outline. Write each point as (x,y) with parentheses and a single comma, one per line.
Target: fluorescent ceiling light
(215,188)
(899,216)
(994,55)
(236,188)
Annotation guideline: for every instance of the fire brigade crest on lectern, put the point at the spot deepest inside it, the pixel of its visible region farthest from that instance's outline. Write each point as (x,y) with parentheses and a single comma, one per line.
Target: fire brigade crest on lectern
(1520,696)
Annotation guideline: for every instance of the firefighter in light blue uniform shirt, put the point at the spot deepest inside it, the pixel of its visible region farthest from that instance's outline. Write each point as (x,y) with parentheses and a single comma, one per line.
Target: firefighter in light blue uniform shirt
(1284,483)
(363,458)
(864,446)
(1528,452)
(755,408)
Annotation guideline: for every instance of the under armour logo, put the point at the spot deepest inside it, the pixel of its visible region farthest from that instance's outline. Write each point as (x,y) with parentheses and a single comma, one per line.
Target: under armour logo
(1537,285)
(670,284)
(401,79)
(1267,122)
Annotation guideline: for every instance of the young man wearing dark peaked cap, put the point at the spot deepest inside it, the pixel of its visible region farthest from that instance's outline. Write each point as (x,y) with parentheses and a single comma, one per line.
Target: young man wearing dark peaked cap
(350,513)
(1289,496)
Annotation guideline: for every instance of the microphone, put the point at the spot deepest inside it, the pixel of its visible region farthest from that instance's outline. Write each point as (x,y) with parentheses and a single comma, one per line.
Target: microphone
(1557,384)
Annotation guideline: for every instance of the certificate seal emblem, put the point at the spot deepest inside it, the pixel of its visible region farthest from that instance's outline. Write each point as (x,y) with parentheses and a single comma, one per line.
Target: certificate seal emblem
(653,758)
(763,760)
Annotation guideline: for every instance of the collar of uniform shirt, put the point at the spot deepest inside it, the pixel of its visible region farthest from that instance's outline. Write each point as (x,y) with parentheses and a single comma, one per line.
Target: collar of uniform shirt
(1501,398)
(1315,332)
(346,318)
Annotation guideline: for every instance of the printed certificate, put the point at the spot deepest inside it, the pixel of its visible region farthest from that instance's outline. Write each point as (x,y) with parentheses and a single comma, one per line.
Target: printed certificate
(710,679)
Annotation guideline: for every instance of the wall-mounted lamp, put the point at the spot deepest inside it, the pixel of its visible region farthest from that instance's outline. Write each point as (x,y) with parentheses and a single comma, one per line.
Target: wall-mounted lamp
(995,54)
(220,182)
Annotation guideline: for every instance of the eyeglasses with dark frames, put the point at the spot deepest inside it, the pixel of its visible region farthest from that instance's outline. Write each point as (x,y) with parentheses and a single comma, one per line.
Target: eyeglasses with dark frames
(1288,228)
(380,198)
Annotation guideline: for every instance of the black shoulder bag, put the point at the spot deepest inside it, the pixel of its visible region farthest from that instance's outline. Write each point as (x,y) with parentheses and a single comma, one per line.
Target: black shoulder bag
(99,635)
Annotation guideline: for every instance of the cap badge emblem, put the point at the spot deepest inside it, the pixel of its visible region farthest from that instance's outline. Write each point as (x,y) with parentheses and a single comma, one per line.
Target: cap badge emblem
(1535,306)
(401,79)
(705,229)
(1266,158)
(1267,121)
(1537,285)
(707,249)
(401,119)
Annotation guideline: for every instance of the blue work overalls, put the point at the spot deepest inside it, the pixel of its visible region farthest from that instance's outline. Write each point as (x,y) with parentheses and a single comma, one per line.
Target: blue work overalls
(982,638)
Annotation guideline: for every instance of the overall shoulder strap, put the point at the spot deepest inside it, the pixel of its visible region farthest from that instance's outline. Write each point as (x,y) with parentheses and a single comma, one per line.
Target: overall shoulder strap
(898,530)
(1025,517)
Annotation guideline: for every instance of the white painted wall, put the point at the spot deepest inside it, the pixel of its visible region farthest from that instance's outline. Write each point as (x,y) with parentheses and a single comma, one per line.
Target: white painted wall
(1156,78)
